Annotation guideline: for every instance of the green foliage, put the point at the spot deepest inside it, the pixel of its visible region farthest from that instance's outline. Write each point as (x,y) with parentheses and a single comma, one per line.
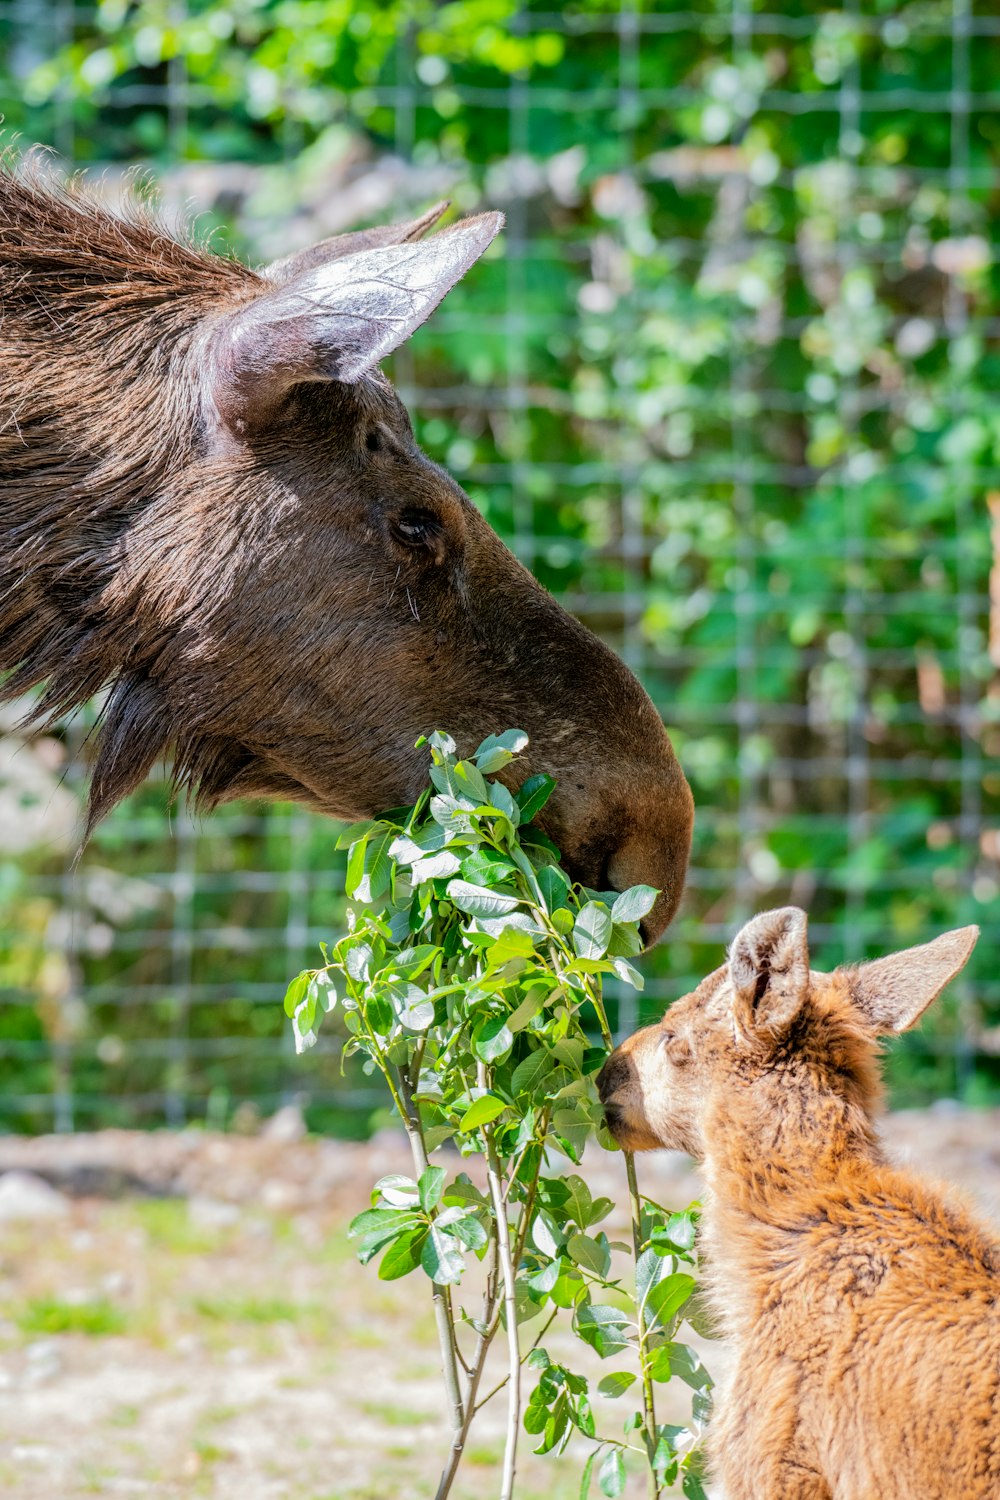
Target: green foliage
(469,981)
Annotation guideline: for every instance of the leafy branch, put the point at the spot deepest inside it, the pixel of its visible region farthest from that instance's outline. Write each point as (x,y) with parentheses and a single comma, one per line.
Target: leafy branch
(470,982)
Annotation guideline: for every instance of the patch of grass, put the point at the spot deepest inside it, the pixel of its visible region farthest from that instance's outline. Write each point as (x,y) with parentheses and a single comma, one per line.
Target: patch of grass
(393,1416)
(169,1226)
(98,1318)
(254,1309)
(485,1457)
(213,1415)
(125,1416)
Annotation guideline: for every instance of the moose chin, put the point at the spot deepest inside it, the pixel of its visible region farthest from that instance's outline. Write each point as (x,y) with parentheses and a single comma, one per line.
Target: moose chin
(862,1305)
(213,510)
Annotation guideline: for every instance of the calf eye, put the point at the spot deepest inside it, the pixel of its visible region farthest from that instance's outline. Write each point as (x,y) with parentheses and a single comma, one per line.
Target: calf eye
(416,528)
(677,1048)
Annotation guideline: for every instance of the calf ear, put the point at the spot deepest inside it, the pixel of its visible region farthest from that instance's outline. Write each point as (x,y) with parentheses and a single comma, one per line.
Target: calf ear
(892,993)
(769,972)
(336,320)
(339,245)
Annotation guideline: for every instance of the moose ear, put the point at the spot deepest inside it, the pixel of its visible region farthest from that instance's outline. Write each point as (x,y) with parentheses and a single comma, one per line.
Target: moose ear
(339,245)
(336,320)
(892,993)
(769,972)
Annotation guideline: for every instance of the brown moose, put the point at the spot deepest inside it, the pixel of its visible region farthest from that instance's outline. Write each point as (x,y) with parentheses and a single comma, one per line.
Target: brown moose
(861,1304)
(212,506)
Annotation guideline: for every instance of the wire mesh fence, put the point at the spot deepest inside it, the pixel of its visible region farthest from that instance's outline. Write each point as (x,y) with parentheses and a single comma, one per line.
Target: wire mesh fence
(728,388)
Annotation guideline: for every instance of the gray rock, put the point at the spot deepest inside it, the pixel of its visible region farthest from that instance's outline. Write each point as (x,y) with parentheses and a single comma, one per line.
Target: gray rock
(23,1195)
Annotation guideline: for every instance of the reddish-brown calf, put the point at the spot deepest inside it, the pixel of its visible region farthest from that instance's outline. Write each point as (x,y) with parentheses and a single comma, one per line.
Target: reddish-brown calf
(862,1304)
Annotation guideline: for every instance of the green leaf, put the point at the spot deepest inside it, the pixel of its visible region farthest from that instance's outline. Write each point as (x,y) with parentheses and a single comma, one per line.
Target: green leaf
(529,1073)
(481,1112)
(355,866)
(410,962)
(554,886)
(545,1234)
(358,961)
(374,882)
(589,1253)
(430,1186)
(544,1280)
(470,1231)
(492,1040)
(693,1487)
(534,794)
(585,1476)
(497,750)
(592,930)
(378,1014)
(681,1231)
(650,1269)
(379,1219)
(501,799)
(578,1201)
(434,867)
(686,1365)
(358,832)
(667,1298)
(411,1006)
(611,1474)
(464,1190)
(528,1009)
(535,1416)
(634,904)
(604,1328)
(628,973)
(479,900)
(485,867)
(295,992)
(615,1385)
(397,1190)
(403,1256)
(441,1257)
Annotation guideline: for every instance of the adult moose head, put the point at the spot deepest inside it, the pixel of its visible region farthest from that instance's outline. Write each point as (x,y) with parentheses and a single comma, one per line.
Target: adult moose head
(212,505)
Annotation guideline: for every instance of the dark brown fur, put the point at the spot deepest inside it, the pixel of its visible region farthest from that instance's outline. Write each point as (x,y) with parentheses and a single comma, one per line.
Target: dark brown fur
(200,515)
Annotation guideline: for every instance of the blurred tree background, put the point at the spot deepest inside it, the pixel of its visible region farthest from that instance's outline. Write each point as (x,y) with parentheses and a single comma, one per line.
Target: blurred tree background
(727,385)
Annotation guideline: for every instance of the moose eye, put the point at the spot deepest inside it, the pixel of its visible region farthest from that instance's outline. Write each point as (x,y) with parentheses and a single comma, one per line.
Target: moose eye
(416,528)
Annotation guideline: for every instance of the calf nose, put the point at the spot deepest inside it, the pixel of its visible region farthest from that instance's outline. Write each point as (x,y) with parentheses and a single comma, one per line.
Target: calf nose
(611,1077)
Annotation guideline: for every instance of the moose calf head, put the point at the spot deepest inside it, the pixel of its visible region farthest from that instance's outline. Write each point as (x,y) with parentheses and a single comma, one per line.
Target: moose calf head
(212,504)
(765,1031)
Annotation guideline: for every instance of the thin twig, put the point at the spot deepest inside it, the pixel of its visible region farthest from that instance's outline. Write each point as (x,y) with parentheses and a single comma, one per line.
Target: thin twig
(440,1296)
(510,1308)
(648,1404)
(485,1339)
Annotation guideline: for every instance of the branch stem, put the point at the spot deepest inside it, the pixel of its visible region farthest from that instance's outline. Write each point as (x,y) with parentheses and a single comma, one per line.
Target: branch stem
(648,1404)
(440,1295)
(494,1175)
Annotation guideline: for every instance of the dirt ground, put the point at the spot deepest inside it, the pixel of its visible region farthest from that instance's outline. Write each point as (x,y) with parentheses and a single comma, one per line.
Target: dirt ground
(181,1315)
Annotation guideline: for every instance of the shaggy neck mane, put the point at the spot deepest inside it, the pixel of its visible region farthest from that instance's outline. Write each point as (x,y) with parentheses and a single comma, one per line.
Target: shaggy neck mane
(98,412)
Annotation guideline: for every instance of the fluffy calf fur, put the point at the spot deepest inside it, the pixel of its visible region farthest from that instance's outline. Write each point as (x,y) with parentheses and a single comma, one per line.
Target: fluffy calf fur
(861,1302)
